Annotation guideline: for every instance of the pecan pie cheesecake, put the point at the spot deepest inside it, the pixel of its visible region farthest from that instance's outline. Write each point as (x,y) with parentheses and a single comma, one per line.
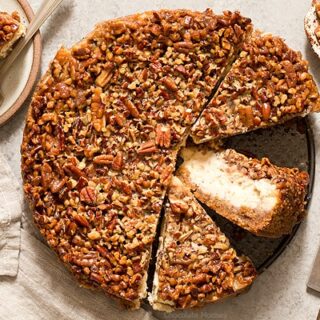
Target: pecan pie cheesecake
(256,195)
(195,262)
(11,30)
(267,85)
(103,131)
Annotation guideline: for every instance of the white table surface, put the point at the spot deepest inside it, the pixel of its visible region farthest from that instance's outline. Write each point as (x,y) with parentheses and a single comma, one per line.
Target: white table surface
(280,292)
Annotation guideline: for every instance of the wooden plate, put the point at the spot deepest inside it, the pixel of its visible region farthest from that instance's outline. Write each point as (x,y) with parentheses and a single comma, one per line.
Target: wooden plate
(21,77)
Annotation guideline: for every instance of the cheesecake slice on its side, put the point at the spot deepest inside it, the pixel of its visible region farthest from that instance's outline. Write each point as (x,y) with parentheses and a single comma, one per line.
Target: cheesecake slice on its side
(195,262)
(256,195)
(268,84)
(11,30)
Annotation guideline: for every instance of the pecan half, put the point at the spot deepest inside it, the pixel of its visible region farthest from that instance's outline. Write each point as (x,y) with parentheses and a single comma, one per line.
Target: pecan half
(163,136)
(170,84)
(131,108)
(103,159)
(88,195)
(117,162)
(147,147)
(81,220)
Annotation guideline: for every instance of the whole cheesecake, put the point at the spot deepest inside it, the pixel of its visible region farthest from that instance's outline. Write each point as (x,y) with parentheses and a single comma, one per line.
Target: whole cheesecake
(104,129)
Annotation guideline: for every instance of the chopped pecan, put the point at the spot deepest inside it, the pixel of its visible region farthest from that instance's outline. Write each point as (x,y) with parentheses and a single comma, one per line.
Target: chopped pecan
(46,175)
(72,170)
(57,185)
(117,162)
(184,46)
(105,76)
(81,220)
(120,119)
(72,228)
(131,108)
(81,52)
(103,159)
(170,84)
(266,111)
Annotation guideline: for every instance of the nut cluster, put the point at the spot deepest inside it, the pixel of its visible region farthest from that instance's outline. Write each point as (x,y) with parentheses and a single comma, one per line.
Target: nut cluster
(268,84)
(196,264)
(9,25)
(103,131)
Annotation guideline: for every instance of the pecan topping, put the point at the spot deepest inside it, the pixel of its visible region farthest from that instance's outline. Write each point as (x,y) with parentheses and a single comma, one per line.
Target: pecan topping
(262,88)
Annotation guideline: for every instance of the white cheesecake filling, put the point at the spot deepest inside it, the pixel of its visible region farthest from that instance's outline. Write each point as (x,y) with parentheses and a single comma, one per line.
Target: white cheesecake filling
(215,177)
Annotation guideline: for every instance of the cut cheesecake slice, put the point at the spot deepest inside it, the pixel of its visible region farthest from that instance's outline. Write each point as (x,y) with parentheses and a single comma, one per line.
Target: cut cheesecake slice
(195,262)
(267,85)
(11,30)
(256,195)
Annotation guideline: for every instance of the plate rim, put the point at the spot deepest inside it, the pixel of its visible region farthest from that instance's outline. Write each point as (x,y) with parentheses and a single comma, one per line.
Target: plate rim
(37,50)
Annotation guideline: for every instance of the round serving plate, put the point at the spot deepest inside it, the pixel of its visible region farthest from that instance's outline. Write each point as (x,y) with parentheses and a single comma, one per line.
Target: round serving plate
(21,77)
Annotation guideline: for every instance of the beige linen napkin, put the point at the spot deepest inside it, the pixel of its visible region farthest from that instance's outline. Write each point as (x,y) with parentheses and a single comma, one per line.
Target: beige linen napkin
(10,216)
(35,284)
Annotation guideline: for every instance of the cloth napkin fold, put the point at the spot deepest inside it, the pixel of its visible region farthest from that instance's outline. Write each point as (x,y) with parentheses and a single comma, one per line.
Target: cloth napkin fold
(10,217)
